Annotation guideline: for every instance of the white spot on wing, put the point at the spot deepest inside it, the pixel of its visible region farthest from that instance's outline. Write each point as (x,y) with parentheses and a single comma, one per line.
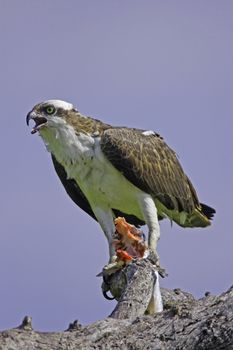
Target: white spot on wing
(60,104)
(95,134)
(148,133)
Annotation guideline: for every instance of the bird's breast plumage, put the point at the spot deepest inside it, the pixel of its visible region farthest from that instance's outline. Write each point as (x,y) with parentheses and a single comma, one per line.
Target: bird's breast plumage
(73,150)
(81,156)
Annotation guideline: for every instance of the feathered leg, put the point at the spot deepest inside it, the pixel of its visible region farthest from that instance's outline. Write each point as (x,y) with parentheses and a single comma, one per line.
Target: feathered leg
(105,218)
(150,215)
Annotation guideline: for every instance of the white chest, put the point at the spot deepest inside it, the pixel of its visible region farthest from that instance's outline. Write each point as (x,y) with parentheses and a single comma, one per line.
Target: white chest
(74,151)
(84,161)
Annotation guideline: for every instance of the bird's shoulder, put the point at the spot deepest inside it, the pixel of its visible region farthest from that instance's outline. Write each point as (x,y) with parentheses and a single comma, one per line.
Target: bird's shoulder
(136,141)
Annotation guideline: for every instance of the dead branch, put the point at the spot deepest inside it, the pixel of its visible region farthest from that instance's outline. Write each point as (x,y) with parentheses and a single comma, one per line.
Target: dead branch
(185,323)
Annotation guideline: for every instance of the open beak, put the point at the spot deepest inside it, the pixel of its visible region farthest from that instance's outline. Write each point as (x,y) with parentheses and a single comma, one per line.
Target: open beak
(39,121)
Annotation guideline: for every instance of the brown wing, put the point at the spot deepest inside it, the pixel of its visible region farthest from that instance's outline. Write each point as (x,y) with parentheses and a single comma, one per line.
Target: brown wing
(148,162)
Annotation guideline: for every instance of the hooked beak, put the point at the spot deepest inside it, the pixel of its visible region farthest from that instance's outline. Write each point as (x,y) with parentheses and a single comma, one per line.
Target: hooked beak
(39,121)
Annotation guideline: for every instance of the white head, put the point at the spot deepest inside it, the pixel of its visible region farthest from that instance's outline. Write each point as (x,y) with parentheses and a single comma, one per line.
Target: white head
(49,113)
(59,104)
(58,124)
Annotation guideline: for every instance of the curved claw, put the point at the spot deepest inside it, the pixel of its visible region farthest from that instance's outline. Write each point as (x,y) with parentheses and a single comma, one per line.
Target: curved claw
(106,295)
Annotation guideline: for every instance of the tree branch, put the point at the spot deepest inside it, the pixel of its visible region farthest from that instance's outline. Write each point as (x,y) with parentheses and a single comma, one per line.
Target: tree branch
(137,283)
(185,323)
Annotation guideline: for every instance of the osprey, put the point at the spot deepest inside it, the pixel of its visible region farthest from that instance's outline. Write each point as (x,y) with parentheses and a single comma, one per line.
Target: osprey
(117,171)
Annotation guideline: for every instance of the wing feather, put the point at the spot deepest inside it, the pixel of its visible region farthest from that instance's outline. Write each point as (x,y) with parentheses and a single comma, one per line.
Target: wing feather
(150,164)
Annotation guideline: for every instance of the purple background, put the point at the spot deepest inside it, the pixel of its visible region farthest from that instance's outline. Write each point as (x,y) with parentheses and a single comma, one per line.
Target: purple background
(160,65)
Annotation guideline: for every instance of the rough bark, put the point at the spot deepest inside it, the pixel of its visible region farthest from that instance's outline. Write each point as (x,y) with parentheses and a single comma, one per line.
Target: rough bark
(185,323)
(133,288)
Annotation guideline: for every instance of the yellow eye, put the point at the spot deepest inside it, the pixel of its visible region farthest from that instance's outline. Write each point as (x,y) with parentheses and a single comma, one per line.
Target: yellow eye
(50,110)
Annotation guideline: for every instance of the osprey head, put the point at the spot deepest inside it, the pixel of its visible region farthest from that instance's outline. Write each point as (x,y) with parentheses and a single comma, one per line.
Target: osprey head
(49,114)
